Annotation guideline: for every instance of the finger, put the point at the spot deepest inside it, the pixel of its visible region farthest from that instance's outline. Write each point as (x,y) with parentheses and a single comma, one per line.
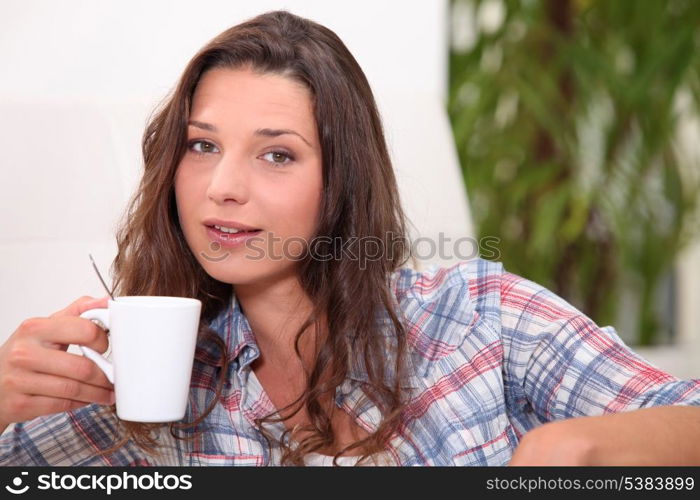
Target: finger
(41,384)
(65,364)
(29,407)
(79,306)
(66,330)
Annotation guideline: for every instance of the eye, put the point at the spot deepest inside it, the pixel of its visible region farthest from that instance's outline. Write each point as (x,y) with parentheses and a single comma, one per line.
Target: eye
(277,157)
(200,147)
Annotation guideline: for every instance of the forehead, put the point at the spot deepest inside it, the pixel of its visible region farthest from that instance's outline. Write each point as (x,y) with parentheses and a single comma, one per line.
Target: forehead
(226,94)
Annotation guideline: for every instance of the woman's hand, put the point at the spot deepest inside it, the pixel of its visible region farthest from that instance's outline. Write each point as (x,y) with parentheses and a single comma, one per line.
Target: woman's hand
(655,436)
(555,443)
(37,375)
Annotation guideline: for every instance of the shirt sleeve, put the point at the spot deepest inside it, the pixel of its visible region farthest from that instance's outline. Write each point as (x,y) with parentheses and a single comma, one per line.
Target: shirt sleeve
(75,438)
(559,364)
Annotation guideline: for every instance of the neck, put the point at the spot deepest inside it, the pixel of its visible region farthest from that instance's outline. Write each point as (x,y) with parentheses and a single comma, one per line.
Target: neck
(276,312)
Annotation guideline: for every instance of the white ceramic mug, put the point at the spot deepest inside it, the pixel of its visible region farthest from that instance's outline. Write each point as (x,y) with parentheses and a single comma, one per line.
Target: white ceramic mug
(153,341)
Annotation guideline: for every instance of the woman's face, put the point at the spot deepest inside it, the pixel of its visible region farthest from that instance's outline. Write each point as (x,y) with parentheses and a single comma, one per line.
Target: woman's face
(254,160)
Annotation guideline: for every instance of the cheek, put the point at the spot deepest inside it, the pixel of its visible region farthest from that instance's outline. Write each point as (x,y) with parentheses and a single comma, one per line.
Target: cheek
(295,208)
(185,197)
(311,209)
(180,197)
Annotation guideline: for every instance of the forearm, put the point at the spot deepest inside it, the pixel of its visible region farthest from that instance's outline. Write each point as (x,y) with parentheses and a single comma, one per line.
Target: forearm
(664,435)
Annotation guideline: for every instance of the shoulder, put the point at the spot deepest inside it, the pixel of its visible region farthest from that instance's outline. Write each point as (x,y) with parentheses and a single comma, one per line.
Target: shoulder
(445,306)
(478,277)
(525,300)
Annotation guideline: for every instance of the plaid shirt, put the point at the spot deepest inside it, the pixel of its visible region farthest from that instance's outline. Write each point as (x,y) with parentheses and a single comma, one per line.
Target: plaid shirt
(493,356)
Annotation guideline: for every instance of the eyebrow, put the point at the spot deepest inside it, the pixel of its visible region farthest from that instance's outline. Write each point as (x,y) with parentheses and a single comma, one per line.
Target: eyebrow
(265,132)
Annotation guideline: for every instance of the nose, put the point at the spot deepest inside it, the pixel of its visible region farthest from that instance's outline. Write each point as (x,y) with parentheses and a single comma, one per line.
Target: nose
(230,182)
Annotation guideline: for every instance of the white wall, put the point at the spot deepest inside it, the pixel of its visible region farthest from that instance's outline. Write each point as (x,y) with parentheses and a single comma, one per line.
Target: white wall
(128,47)
(79,78)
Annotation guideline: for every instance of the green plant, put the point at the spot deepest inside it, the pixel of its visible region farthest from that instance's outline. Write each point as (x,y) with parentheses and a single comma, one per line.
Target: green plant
(566,117)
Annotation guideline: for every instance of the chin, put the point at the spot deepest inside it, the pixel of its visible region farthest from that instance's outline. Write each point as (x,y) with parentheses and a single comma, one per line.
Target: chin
(230,272)
(241,271)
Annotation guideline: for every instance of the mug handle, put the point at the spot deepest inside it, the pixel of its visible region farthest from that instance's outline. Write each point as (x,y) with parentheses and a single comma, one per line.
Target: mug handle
(101,318)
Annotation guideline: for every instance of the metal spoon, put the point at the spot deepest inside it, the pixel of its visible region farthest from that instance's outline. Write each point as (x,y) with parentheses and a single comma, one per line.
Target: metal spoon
(100,276)
(97,321)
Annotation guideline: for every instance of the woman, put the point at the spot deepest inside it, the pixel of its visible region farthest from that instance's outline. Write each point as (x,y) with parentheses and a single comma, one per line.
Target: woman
(266,175)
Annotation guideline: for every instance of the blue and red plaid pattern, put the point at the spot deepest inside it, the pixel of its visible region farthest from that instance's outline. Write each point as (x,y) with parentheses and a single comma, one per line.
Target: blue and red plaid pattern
(493,355)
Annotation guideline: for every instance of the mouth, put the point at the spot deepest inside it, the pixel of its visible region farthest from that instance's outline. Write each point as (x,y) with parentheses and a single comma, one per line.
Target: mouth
(230,237)
(231,230)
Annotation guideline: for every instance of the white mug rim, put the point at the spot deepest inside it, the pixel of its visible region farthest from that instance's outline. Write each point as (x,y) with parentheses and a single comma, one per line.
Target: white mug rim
(158,301)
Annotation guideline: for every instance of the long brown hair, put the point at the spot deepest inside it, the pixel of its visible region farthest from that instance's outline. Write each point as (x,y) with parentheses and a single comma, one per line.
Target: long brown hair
(359,201)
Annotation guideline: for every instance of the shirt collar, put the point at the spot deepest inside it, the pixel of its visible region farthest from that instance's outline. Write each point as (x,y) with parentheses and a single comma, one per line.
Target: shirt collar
(233,328)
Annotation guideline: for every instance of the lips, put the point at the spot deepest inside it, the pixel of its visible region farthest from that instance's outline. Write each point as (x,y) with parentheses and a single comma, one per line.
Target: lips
(231,240)
(229,224)
(237,231)
(227,233)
